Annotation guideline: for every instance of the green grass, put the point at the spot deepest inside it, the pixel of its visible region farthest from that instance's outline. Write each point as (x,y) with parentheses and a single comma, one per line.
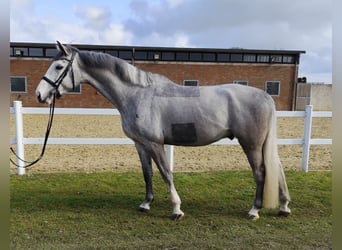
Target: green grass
(99,211)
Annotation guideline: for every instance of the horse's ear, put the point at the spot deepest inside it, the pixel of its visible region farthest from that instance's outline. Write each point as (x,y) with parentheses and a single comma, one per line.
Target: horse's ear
(62,48)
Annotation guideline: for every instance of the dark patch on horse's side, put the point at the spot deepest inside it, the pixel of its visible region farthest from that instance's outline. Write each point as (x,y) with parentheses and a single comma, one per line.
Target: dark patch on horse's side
(178,91)
(184,133)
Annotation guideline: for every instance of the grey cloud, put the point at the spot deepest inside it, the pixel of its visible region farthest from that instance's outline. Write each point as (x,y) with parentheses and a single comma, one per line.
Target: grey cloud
(198,17)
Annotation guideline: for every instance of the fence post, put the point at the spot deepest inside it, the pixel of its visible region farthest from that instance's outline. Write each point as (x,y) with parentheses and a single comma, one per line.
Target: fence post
(307,138)
(169,155)
(19,134)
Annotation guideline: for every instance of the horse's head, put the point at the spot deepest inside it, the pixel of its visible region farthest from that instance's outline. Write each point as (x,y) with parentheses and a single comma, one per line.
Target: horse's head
(59,78)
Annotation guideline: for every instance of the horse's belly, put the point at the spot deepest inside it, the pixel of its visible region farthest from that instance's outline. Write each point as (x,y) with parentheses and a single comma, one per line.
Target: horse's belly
(192,134)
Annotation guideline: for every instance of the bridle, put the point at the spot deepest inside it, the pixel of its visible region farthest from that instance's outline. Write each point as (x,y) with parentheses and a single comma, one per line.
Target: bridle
(56,94)
(59,80)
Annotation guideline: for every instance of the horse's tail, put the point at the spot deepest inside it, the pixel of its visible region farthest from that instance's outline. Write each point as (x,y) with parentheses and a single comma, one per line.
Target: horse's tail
(272,165)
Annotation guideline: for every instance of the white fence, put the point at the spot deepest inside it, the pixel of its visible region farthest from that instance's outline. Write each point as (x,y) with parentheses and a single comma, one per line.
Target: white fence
(20,140)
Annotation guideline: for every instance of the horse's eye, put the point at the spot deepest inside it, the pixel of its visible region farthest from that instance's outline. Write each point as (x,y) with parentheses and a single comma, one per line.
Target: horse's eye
(59,67)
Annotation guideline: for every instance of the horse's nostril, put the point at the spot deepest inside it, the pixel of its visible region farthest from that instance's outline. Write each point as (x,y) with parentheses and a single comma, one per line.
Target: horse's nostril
(40,98)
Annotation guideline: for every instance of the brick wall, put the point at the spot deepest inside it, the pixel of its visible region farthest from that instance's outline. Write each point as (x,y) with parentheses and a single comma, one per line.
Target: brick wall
(207,74)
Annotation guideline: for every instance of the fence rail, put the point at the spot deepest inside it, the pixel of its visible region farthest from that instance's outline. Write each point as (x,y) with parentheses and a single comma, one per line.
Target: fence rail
(20,140)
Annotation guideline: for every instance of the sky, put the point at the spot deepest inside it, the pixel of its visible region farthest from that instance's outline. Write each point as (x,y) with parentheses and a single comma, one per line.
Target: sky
(249,24)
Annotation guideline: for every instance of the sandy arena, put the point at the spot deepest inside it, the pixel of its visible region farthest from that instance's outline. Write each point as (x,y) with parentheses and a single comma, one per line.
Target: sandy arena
(121,158)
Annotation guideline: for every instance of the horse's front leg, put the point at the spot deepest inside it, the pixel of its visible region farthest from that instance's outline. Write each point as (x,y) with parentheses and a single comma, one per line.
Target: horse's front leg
(159,157)
(145,159)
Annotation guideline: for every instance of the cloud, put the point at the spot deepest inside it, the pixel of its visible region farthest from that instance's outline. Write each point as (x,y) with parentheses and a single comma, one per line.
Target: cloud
(232,21)
(84,25)
(18,5)
(158,40)
(263,24)
(116,34)
(174,3)
(94,17)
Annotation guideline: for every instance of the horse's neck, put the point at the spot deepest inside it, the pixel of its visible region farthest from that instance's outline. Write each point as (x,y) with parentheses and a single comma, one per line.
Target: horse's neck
(111,87)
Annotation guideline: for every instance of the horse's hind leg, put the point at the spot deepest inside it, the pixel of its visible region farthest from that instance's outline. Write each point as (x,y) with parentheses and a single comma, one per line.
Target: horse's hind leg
(158,155)
(255,159)
(145,159)
(284,195)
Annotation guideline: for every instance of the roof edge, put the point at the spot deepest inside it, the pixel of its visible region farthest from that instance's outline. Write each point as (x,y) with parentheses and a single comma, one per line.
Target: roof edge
(189,49)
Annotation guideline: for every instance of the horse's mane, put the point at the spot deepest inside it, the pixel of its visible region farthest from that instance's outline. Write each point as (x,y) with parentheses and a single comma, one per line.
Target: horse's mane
(125,71)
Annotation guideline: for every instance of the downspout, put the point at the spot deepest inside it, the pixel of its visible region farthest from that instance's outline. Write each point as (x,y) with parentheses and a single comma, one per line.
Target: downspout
(295,76)
(133,56)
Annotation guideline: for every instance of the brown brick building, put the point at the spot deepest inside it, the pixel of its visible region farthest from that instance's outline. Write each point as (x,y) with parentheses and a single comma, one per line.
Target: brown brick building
(275,71)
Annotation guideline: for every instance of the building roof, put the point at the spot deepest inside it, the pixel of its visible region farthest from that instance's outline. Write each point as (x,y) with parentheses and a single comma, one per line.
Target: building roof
(144,53)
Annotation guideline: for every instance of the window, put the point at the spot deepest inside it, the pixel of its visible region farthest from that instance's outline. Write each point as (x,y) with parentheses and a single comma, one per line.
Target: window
(273,88)
(77,90)
(263,58)
(223,57)
(195,56)
(140,55)
(182,56)
(190,82)
(209,57)
(51,52)
(125,54)
(168,56)
(36,52)
(154,55)
(241,82)
(276,59)
(20,51)
(249,58)
(236,57)
(288,59)
(18,84)
(112,52)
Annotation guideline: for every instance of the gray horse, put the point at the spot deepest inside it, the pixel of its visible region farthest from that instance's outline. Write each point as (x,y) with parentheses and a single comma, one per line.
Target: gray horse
(155,111)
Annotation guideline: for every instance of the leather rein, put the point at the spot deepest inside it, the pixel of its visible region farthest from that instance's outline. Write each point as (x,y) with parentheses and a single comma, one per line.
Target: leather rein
(56,94)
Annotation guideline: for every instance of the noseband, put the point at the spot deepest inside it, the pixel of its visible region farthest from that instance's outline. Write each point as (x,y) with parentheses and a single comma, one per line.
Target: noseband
(59,80)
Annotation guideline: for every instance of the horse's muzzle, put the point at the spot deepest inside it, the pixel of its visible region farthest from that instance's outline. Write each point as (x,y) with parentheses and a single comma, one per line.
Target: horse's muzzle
(58,95)
(40,98)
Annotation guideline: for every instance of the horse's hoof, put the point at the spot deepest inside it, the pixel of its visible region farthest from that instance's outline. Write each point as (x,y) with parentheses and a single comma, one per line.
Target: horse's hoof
(283,213)
(253,217)
(177,217)
(143,210)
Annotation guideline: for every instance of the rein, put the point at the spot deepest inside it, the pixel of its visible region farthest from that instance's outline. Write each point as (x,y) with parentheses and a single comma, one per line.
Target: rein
(48,129)
(56,94)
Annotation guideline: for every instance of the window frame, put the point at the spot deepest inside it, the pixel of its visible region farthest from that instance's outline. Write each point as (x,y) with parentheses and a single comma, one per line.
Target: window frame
(249,58)
(276,59)
(263,58)
(272,82)
(25,86)
(75,92)
(189,80)
(241,82)
(288,59)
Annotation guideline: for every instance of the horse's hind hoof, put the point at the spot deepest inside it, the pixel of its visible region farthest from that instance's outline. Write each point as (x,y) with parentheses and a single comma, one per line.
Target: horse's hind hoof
(143,210)
(283,213)
(177,217)
(253,217)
